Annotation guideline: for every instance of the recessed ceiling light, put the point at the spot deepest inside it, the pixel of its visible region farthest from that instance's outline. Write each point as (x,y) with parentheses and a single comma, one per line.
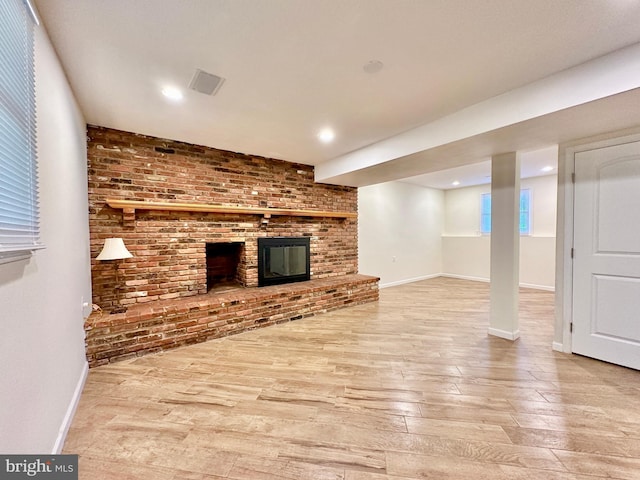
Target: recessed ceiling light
(326,135)
(547,168)
(455,183)
(172,93)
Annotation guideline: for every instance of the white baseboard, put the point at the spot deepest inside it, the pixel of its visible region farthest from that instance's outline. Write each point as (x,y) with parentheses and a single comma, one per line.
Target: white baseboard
(408,280)
(465,277)
(496,332)
(486,280)
(538,287)
(558,347)
(461,277)
(71,410)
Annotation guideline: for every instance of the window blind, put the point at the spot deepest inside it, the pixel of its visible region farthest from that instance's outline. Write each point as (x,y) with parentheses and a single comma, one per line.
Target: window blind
(19,222)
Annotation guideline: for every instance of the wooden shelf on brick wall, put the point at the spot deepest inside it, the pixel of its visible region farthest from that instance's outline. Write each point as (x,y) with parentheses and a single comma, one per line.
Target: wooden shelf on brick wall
(129,208)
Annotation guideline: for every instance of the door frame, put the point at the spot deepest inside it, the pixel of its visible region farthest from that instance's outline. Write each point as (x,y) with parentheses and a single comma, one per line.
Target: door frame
(565,231)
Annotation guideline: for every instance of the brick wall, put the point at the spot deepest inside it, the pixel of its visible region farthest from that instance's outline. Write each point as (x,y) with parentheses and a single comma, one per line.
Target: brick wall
(169,247)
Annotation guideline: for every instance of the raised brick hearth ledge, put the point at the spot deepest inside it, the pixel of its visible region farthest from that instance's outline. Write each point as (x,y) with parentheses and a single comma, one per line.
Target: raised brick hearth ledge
(166,324)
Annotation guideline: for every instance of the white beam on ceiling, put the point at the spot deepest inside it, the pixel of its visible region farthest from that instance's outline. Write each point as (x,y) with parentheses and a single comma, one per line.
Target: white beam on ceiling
(597,79)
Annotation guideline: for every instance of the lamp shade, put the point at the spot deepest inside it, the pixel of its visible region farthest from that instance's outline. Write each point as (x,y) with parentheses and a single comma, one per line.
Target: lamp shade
(114,249)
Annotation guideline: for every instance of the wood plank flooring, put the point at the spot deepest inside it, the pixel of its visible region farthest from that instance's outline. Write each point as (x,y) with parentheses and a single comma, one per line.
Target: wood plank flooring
(409,388)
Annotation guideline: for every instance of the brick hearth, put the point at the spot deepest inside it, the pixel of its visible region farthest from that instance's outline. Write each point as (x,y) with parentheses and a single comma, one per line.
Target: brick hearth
(161,325)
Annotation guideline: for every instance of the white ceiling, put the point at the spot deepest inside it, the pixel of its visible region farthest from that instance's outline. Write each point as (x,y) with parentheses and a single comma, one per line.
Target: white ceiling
(292,67)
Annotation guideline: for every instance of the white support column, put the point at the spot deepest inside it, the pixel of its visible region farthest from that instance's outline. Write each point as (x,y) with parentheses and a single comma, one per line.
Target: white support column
(505,245)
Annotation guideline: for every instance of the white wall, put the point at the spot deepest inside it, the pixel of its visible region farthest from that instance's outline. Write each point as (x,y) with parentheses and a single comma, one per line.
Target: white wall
(399,232)
(42,358)
(466,253)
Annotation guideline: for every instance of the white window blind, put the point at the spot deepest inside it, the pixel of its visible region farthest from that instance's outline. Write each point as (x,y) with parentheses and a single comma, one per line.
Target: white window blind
(19,222)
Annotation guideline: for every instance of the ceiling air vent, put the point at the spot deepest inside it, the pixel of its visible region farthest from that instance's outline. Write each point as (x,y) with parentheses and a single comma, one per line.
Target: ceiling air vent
(206,83)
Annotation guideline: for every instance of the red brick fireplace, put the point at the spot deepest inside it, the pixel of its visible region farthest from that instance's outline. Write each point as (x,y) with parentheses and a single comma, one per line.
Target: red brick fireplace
(170,247)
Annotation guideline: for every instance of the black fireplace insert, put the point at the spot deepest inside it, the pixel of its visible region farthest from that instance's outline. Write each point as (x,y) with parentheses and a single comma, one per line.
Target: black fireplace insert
(283,260)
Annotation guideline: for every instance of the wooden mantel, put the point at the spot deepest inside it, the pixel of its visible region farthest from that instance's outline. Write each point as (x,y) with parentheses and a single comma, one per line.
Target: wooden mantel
(129,208)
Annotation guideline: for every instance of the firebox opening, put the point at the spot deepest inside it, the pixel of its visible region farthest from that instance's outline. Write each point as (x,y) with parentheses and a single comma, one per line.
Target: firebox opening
(223,260)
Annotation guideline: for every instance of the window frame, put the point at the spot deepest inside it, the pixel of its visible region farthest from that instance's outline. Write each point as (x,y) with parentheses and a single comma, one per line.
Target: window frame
(527,212)
(485,215)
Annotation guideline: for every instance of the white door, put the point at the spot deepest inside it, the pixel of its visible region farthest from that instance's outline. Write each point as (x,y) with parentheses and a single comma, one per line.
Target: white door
(606,269)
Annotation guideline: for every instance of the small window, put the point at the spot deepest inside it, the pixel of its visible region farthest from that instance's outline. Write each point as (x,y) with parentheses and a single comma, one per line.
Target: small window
(485,216)
(525,213)
(19,226)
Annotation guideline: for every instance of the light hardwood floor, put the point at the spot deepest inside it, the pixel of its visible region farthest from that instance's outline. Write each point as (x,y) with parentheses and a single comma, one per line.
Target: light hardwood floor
(408,388)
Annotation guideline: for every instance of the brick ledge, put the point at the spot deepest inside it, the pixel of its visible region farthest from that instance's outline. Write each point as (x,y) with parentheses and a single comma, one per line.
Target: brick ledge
(165,324)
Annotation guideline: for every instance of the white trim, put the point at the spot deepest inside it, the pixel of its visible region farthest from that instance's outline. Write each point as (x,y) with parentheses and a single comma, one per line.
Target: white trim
(538,287)
(496,332)
(409,280)
(15,258)
(15,255)
(462,236)
(556,346)
(71,411)
(465,277)
(486,280)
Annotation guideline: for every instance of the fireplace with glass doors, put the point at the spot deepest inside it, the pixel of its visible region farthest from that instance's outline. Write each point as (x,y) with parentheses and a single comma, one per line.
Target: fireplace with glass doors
(283,260)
